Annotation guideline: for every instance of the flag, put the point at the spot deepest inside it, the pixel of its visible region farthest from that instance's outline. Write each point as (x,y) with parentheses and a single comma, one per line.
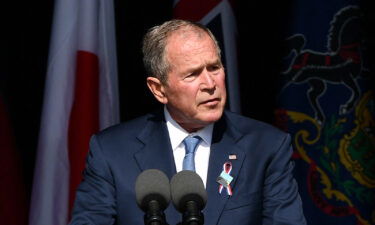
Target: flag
(13,200)
(81,97)
(326,102)
(219,17)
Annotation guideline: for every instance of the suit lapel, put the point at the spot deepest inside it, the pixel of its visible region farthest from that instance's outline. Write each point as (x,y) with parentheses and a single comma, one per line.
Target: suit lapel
(223,144)
(157,151)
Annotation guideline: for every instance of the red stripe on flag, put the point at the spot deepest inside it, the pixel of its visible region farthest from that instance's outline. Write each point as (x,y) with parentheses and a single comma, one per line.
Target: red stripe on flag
(84,118)
(193,10)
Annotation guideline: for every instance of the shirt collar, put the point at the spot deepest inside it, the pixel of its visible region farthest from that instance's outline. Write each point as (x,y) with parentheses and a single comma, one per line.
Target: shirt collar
(177,134)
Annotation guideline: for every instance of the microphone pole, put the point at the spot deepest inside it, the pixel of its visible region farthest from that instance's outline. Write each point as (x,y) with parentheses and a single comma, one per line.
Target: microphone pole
(154,215)
(192,216)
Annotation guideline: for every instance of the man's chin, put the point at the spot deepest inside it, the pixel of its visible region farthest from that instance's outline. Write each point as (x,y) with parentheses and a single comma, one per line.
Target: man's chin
(211,117)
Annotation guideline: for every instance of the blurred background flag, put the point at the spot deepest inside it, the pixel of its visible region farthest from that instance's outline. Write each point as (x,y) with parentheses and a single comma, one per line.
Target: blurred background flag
(81,97)
(326,102)
(219,17)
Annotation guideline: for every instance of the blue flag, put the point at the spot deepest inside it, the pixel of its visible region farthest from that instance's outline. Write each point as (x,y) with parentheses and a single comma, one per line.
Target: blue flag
(327,104)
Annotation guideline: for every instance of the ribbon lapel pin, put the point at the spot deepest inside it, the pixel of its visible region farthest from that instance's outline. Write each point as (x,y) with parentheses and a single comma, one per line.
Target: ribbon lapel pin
(225,178)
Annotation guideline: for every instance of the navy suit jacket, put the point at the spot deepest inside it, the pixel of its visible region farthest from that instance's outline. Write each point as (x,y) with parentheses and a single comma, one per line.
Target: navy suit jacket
(264,190)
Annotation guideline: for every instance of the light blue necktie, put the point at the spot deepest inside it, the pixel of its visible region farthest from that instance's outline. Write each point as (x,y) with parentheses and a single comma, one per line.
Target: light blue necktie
(191,144)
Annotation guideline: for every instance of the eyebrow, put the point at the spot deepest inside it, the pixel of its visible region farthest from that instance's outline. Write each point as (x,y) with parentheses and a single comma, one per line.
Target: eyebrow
(216,62)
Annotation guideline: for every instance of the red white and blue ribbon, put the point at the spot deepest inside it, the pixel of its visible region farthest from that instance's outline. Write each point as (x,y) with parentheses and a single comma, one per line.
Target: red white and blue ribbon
(225,179)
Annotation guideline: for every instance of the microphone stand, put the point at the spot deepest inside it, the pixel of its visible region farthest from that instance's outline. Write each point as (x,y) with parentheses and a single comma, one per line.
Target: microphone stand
(192,215)
(154,215)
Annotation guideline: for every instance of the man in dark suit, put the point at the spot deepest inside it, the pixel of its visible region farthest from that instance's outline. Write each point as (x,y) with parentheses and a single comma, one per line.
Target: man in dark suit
(187,76)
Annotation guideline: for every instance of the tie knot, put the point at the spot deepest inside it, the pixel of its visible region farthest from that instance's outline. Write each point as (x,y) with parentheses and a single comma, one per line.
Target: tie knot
(191,143)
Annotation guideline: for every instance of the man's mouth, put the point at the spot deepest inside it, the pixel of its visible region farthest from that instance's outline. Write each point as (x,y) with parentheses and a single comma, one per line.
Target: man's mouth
(212,101)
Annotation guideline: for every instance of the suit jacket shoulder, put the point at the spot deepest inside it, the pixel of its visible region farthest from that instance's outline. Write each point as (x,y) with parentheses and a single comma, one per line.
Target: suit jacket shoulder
(131,128)
(130,133)
(251,132)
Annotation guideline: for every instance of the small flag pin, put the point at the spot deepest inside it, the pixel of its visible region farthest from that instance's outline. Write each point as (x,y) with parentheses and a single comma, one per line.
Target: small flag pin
(233,157)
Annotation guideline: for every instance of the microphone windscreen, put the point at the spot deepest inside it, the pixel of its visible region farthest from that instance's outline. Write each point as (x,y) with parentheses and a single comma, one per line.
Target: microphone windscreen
(187,186)
(151,185)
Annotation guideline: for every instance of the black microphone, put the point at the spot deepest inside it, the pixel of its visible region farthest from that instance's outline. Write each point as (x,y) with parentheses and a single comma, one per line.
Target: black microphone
(189,196)
(152,191)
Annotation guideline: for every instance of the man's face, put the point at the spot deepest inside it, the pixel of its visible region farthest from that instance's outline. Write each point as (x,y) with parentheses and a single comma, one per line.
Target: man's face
(195,91)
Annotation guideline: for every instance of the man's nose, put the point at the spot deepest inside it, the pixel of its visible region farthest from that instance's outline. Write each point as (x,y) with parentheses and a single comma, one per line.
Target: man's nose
(208,81)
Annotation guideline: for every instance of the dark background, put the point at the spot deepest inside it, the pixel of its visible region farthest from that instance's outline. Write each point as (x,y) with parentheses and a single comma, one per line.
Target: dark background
(25,33)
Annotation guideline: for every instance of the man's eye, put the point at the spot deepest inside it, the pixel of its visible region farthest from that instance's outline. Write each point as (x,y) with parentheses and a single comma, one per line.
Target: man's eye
(213,68)
(193,74)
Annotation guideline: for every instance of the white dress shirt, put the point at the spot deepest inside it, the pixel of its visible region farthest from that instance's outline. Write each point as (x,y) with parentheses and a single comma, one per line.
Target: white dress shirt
(202,155)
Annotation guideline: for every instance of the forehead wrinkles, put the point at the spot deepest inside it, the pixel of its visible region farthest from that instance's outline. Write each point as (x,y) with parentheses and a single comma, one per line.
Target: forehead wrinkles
(185,41)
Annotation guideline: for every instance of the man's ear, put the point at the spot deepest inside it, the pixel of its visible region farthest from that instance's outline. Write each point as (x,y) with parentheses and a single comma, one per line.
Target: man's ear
(157,89)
